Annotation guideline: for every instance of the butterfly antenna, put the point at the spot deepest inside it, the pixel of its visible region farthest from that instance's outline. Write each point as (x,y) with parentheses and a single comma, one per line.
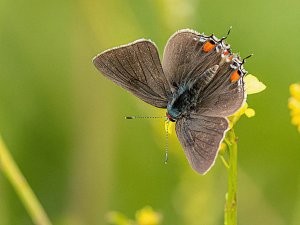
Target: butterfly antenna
(228,32)
(244,59)
(167,141)
(144,117)
(167,129)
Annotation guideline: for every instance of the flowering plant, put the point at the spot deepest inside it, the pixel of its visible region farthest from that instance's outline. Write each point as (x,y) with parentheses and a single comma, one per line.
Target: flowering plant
(144,216)
(229,148)
(294,104)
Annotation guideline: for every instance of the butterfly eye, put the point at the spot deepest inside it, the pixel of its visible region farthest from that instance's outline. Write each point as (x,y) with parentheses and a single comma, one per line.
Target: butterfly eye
(209,45)
(235,76)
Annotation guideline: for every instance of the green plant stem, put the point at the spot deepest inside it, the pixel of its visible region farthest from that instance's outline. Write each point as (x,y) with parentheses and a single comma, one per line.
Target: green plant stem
(231,196)
(18,181)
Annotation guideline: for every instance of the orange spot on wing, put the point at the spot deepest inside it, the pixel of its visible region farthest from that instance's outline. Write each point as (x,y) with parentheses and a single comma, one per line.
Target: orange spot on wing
(235,76)
(208,46)
(230,57)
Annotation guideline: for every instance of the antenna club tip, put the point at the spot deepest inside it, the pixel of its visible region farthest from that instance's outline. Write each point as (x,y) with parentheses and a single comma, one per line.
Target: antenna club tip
(129,117)
(166,162)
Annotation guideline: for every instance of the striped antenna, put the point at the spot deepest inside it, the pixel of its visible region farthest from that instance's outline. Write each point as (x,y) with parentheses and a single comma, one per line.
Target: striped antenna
(167,141)
(228,32)
(167,129)
(144,117)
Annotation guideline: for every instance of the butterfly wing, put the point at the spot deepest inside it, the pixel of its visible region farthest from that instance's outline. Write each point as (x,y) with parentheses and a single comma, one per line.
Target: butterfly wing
(189,54)
(137,68)
(200,137)
(222,97)
(184,57)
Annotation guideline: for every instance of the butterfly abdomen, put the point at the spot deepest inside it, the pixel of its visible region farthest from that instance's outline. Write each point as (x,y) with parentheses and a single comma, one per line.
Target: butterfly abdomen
(187,96)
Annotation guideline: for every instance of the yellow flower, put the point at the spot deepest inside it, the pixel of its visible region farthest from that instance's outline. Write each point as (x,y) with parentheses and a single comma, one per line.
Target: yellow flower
(222,148)
(294,104)
(295,91)
(249,112)
(169,126)
(253,85)
(147,216)
(118,218)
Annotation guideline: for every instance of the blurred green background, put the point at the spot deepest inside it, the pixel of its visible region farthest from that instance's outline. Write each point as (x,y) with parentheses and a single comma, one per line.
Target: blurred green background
(64,122)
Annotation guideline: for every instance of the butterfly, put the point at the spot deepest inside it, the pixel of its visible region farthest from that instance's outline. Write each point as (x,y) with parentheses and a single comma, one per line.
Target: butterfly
(199,82)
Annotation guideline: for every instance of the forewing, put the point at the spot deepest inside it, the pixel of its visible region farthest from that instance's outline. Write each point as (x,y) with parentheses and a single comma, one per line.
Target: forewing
(185,58)
(137,68)
(200,137)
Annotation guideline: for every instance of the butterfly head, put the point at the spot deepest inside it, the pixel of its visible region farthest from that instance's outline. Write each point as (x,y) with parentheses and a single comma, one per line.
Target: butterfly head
(170,117)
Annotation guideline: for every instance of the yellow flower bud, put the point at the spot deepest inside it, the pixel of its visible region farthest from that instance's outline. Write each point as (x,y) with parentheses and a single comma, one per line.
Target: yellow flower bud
(249,112)
(147,216)
(222,148)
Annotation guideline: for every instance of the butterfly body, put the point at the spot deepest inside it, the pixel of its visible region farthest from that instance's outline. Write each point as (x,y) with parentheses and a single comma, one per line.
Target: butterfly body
(180,103)
(188,96)
(199,83)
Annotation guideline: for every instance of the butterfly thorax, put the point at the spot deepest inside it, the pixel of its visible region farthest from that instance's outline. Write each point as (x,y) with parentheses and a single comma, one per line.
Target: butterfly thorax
(188,96)
(182,102)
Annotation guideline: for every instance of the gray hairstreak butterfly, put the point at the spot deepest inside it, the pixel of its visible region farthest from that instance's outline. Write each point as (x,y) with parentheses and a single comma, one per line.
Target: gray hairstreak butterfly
(199,82)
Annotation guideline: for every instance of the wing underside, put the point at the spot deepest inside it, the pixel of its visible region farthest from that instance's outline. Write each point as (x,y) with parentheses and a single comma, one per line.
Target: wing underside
(137,68)
(200,137)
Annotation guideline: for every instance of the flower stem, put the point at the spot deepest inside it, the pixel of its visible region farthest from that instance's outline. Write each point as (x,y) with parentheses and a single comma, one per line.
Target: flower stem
(18,181)
(231,196)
